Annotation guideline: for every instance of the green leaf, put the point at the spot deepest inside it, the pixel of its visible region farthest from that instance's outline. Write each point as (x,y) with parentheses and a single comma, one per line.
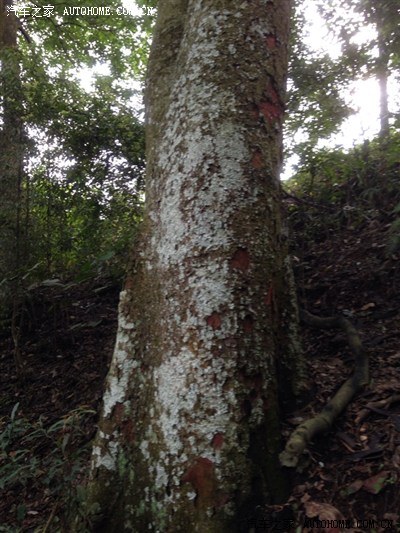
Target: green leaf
(21,512)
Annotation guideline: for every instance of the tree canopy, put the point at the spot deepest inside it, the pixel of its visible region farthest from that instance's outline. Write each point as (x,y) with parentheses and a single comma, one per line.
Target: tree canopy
(84,148)
(81,75)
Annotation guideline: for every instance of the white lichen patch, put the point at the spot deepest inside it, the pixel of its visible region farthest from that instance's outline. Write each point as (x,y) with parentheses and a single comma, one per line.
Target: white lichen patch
(105,460)
(191,398)
(161,476)
(144,448)
(198,138)
(106,456)
(199,167)
(257,412)
(122,363)
(191,495)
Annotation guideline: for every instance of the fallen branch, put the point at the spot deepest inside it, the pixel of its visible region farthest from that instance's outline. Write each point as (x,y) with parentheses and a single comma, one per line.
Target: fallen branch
(378,406)
(322,422)
(308,202)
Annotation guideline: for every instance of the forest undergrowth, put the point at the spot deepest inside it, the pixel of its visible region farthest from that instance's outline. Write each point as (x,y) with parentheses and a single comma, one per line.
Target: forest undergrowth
(345,252)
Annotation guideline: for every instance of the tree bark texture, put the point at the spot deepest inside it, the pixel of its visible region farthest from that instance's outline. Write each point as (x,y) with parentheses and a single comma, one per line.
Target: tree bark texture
(189,434)
(11,155)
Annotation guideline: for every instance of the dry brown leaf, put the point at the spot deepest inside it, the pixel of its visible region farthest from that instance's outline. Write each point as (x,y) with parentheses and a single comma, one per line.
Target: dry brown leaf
(368,306)
(376,483)
(325,511)
(355,486)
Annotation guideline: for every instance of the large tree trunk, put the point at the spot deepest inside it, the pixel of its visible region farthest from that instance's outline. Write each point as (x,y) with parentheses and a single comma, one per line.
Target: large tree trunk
(11,156)
(189,433)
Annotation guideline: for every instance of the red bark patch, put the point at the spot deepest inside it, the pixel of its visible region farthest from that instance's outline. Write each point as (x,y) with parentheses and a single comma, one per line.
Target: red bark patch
(271,41)
(214,320)
(248,324)
(128,430)
(257,160)
(199,472)
(241,259)
(118,413)
(269,298)
(128,283)
(217,441)
(201,476)
(272,94)
(271,106)
(271,111)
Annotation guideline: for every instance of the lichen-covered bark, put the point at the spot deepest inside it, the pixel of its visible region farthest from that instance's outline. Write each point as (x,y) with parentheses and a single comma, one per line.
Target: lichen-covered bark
(189,434)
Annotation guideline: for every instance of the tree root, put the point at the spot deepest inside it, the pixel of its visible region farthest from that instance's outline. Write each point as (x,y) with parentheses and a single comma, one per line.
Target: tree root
(304,433)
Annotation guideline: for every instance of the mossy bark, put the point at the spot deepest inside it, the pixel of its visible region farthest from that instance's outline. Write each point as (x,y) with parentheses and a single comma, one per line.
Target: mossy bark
(189,434)
(11,157)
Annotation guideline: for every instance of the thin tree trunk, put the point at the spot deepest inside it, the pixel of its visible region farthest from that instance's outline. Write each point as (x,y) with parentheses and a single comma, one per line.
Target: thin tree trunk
(383,73)
(11,157)
(189,434)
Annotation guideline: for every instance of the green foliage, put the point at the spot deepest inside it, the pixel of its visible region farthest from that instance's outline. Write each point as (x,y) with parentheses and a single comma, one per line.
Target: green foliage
(381,18)
(55,471)
(336,188)
(78,227)
(371,164)
(82,191)
(69,38)
(370,42)
(315,107)
(367,33)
